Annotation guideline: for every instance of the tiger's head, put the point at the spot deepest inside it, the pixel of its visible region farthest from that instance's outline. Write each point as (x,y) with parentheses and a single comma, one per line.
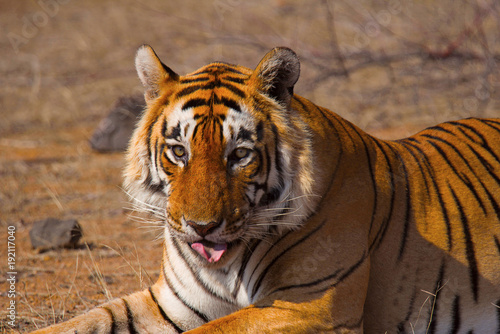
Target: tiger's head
(220,155)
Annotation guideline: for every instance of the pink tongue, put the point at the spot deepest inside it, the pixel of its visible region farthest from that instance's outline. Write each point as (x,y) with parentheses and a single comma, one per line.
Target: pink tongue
(211,252)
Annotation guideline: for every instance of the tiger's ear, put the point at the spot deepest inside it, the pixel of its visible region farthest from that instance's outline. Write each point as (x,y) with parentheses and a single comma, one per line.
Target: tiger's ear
(277,73)
(152,72)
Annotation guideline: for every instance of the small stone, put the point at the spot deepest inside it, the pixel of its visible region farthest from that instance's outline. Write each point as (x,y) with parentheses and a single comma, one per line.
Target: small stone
(53,233)
(113,132)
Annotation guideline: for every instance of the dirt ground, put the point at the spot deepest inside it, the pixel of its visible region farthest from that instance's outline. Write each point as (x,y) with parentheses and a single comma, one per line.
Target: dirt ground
(391,67)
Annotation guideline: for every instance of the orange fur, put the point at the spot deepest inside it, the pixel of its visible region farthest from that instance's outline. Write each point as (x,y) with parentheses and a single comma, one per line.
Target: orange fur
(327,229)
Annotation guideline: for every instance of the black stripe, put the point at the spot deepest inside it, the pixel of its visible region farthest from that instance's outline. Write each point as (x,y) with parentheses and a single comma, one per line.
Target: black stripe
(418,161)
(437,190)
(284,236)
(346,274)
(196,127)
(304,107)
(175,132)
(191,89)
(310,284)
(497,305)
(407,189)
(148,140)
(461,176)
(236,80)
(233,89)
(150,130)
(469,247)
(274,194)
(153,187)
(130,318)
(192,80)
(385,224)
(370,168)
(244,263)
(437,129)
(230,103)
(244,134)
(340,154)
(486,145)
(492,172)
(258,157)
(401,325)
(271,196)
(442,152)
(268,168)
(164,154)
(113,319)
(164,128)
(148,182)
(326,116)
(353,268)
(270,264)
(455,315)
(194,273)
(401,328)
(461,125)
(497,243)
(277,151)
(195,311)
(433,310)
(491,123)
(162,312)
(345,327)
(482,140)
(491,169)
(148,145)
(260,131)
(193,103)
(210,86)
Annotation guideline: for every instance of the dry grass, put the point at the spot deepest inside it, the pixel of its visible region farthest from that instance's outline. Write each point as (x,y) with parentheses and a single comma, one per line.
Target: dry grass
(391,67)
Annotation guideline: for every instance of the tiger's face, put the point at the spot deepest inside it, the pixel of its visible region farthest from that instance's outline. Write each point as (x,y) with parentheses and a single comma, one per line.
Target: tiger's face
(212,160)
(214,153)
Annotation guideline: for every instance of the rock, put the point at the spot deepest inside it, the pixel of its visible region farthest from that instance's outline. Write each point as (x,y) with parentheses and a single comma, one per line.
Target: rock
(113,132)
(54,233)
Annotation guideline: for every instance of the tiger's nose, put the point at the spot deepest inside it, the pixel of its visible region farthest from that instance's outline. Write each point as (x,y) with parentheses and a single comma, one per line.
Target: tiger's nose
(203,229)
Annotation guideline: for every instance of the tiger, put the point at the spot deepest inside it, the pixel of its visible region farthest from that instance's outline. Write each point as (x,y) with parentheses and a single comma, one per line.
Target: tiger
(280,216)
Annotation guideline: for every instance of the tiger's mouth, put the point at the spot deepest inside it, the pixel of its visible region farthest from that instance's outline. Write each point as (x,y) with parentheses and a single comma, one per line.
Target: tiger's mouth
(211,251)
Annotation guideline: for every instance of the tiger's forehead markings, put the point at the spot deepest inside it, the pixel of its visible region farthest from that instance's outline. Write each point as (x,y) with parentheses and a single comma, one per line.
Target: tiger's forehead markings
(211,102)
(223,86)
(210,85)
(209,95)
(214,76)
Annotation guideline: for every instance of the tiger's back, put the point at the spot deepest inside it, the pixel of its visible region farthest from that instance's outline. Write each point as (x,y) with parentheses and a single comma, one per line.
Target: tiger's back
(281,216)
(444,235)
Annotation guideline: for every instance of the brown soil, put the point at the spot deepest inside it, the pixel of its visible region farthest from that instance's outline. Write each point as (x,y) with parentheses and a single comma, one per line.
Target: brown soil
(64,63)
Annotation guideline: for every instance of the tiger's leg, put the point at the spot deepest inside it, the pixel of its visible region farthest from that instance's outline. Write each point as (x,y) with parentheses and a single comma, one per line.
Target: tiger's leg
(136,313)
(338,310)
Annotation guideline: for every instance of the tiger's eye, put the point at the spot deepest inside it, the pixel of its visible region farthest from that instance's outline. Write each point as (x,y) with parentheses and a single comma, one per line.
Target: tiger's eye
(241,152)
(179,151)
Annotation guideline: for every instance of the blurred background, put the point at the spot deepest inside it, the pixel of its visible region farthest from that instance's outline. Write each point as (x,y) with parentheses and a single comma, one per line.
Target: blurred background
(391,67)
